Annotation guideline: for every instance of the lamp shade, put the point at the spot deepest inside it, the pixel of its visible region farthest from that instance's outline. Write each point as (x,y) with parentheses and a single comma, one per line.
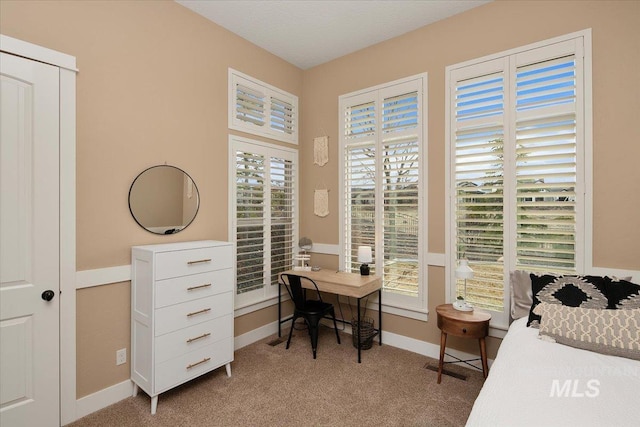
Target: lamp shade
(364,254)
(463,271)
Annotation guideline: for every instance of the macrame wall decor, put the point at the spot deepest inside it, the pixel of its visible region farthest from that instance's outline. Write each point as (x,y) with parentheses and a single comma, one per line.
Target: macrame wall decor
(321,202)
(321,150)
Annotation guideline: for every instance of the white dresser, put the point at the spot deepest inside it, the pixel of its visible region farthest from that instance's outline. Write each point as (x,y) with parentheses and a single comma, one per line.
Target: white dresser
(181,313)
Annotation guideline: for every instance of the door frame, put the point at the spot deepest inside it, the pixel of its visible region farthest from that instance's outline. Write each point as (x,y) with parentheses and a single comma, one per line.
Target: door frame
(67,324)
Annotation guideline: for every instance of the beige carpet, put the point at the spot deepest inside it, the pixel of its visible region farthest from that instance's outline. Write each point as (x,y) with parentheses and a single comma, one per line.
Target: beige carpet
(272,386)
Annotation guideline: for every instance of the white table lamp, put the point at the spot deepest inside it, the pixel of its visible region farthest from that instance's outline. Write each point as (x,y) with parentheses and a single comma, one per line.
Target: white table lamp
(463,271)
(364,257)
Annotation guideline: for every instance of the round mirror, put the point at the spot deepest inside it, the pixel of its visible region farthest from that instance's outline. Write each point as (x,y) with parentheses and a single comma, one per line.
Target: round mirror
(163,199)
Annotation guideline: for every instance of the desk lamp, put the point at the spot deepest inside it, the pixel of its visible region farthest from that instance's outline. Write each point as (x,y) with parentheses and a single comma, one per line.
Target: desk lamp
(463,271)
(364,256)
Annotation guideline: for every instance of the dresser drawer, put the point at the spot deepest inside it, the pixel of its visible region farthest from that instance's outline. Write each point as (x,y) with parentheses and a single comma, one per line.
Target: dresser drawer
(192,261)
(174,344)
(186,288)
(179,316)
(192,364)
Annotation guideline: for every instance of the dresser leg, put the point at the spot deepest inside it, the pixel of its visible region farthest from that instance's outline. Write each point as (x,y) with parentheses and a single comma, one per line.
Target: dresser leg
(228,368)
(154,404)
(135,390)
(483,356)
(443,345)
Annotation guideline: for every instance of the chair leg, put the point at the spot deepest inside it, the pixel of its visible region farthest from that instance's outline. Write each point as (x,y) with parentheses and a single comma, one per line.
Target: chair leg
(313,331)
(293,321)
(335,325)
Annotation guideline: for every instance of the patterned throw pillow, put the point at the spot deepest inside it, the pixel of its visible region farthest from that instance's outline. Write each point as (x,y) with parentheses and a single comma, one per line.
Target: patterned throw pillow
(623,294)
(572,291)
(614,332)
(582,291)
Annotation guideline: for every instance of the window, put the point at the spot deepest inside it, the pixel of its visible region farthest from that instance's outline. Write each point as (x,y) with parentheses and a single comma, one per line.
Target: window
(264,219)
(383,187)
(518,166)
(258,108)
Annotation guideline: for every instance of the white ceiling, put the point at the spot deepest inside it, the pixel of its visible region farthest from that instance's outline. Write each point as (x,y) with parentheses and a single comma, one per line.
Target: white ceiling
(308,33)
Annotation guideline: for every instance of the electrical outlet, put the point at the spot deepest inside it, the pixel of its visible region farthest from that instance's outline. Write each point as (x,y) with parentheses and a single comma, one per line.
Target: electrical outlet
(121,356)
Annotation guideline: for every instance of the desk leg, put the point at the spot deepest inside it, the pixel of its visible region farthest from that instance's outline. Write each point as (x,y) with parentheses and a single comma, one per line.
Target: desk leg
(358,331)
(443,345)
(279,308)
(380,316)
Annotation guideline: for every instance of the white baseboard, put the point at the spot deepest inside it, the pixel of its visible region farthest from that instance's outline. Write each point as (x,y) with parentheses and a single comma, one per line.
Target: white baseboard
(426,348)
(103,398)
(255,335)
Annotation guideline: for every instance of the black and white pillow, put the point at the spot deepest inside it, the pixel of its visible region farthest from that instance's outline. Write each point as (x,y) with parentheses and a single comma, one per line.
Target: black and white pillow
(593,292)
(623,294)
(571,291)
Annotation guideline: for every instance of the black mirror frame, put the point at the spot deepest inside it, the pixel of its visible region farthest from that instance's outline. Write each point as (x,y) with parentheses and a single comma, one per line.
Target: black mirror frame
(170,231)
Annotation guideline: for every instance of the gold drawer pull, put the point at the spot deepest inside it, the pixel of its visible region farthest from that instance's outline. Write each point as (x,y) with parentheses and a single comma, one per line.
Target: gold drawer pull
(193,365)
(198,312)
(199,287)
(200,261)
(190,340)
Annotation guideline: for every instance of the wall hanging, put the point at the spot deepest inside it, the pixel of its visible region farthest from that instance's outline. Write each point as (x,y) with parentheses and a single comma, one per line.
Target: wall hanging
(321,202)
(321,150)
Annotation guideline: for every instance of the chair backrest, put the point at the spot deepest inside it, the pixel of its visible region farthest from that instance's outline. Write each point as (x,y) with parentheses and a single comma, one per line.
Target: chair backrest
(296,291)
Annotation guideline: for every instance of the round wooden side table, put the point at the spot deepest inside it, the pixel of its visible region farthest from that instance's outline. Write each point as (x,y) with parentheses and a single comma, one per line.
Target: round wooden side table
(466,324)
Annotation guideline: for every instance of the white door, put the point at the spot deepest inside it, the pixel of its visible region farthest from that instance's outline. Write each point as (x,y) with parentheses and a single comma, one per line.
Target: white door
(29,251)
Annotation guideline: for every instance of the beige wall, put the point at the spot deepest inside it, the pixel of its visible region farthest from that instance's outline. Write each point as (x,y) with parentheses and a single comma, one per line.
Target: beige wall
(103,326)
(152,88)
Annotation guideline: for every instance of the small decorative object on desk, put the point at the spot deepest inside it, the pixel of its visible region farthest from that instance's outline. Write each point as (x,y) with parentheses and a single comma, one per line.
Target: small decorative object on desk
(302,258)
(365,257)
(463,271)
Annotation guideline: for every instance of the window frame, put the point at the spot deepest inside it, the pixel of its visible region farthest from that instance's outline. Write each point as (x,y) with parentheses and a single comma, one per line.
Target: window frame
(267,294)
(413,307)
(235,78)
(584,224)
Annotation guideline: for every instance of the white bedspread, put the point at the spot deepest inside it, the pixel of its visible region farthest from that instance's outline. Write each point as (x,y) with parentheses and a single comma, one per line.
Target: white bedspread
(538,383)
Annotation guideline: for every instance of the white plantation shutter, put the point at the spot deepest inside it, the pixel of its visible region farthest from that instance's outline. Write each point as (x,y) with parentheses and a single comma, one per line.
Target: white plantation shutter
(382,140)
(400,191)
(250,105)
(282,119)
(479,191)
(360,120)
(359,191)
(518,171)
(250,213)
(265,224)
(546,165)
(261,109)
(282,219)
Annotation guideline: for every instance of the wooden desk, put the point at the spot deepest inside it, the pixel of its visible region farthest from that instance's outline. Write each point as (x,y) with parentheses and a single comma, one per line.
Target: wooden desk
(340,283)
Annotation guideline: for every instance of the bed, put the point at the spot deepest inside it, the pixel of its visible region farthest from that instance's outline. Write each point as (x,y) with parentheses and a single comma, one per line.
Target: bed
(536,382)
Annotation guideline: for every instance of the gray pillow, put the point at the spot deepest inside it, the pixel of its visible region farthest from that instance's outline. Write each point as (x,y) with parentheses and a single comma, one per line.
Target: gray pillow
(521,295)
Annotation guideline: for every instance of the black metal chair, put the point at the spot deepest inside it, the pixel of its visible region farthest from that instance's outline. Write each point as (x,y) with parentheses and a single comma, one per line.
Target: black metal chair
(312,311)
